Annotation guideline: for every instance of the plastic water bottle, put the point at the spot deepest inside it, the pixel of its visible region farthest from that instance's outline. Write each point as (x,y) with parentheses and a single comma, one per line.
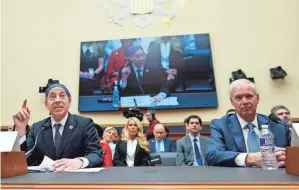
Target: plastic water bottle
(267,146)
(115,96)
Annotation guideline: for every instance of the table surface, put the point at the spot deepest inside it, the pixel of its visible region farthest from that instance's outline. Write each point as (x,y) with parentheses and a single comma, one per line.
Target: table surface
(161,175)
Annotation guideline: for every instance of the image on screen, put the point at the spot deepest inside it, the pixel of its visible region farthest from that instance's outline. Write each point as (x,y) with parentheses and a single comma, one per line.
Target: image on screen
(164,72)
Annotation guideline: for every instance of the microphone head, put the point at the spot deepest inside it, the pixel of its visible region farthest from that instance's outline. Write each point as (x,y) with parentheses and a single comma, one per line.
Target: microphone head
(274,118)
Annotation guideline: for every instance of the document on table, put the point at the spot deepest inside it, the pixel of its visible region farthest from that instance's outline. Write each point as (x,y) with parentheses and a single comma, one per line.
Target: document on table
(146,101)
(46,165)
(295,135)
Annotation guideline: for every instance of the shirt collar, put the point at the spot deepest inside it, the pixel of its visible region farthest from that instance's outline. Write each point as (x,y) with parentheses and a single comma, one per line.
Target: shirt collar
(192,138)
(135,68)
(84,48)
(62,122)
(243,123)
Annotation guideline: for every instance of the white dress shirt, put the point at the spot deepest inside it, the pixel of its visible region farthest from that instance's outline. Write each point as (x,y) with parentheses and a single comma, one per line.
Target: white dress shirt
(131,149)
(165,53)
(240,159)
(160,145)
(193,149)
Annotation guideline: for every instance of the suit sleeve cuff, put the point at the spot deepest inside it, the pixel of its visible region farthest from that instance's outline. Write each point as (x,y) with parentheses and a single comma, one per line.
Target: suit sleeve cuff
(240,159)
(85,162)
(162,94)
(22,139)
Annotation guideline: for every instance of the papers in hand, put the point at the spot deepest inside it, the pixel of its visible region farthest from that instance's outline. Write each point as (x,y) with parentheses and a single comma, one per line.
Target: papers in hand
(8,141)
(146,101)
(46,165)
(295,135)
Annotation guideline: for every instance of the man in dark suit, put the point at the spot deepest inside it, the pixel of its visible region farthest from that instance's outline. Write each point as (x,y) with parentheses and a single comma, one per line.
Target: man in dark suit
(70,140)
(192,148)
(234,138)
(141,77)
(160,143)
(167,53)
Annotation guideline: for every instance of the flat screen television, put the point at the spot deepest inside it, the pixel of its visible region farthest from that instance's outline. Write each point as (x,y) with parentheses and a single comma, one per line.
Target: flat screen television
(163,72)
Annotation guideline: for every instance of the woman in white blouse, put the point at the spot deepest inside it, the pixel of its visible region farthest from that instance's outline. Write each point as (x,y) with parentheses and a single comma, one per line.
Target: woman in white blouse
(133,149)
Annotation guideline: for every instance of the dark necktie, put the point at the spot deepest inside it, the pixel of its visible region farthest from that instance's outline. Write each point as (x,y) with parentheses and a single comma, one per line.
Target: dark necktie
(197,153)
(252,139)
(87,53)
(57,138)
(139,74)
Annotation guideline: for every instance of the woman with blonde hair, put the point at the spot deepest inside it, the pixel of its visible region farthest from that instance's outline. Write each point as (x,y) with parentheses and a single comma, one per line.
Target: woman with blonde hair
(133,149)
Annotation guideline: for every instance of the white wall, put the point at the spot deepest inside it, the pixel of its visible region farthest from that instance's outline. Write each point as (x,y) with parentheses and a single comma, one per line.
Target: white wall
(41,40)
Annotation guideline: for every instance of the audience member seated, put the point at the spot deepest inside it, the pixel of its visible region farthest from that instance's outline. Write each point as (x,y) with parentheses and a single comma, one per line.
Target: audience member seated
(283,113)
(192,148)
(117,137)
(117,61)
(151,118)
(234,138)
(70,140)
(108,137)
(91,67)
(160,143)
(167,53)
(133,149)
(141,77)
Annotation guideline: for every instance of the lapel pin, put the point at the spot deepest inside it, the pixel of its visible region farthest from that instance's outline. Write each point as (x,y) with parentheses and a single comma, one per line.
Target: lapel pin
(71,127)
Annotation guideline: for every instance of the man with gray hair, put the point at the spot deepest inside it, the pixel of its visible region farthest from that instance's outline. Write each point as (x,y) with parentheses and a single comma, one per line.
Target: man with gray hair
(234,137)
(69,139)
(283,113)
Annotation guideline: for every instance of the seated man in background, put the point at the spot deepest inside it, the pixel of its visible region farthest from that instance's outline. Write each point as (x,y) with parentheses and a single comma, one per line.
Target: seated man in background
(193,147)
(160,143)
(70,140)
(141,77)
(283,113)
(234,138)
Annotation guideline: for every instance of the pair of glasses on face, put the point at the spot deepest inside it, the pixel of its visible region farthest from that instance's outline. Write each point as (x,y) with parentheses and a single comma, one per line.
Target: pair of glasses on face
(61,96)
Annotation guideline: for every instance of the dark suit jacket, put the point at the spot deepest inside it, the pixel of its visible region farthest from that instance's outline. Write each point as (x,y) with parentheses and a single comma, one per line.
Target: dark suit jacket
(169,145)
(80,140)
(152,82)
(154,56)
(227,140)
(141,156)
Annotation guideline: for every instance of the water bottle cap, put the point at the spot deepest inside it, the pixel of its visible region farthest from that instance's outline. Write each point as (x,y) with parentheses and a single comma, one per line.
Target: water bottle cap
(264,126)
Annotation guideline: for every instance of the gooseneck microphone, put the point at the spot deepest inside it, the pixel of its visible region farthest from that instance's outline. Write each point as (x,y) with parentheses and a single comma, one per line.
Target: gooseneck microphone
(29,152)
(277,120)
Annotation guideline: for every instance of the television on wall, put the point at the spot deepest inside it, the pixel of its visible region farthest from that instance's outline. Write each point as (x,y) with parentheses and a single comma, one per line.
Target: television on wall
(163,72)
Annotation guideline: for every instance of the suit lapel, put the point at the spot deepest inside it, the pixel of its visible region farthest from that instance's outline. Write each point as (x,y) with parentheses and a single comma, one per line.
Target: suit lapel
(235,128)
(166,145)
(67,131)
(48,137)
(262,121)
(153,145)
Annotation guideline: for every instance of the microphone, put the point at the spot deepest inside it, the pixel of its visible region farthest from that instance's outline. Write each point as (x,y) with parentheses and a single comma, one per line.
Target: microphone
(277,120)
(29,152)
